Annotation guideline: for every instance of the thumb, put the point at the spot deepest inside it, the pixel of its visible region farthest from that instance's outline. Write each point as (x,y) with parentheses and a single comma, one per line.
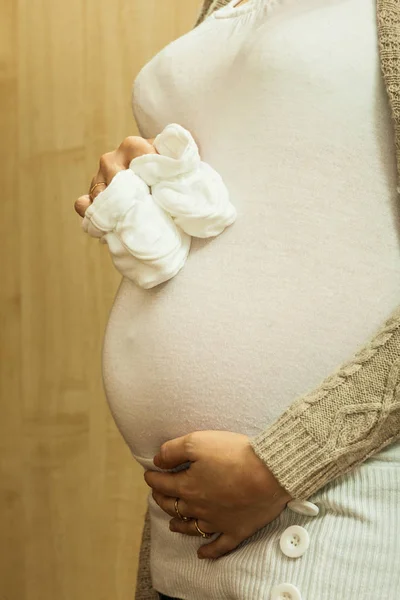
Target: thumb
(175,452)
(82,204)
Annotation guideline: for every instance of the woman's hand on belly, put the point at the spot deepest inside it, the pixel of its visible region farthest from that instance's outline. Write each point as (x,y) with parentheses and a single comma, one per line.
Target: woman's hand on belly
(227,488)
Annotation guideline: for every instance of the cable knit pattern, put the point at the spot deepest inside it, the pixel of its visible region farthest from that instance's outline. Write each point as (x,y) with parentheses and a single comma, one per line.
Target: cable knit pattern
(352,415)
(356,411)
(388,15)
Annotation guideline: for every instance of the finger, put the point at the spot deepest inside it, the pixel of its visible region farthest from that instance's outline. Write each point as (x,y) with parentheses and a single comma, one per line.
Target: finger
(97,186)
(175,452)
(82,204)
(132,147)
(222,545)
(109,166)
(169,484)
(189,528)
(167,504)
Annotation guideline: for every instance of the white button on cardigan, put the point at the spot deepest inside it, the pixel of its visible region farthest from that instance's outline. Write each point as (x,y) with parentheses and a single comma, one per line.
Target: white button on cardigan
(294,541)
(303,507)
(285,591)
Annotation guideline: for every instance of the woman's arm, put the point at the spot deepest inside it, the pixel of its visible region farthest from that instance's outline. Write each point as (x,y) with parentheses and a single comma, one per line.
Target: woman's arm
(350,417)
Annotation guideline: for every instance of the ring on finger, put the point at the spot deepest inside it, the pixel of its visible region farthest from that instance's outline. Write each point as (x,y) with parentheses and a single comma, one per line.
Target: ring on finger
(95,186)
(201,532)
(182,518)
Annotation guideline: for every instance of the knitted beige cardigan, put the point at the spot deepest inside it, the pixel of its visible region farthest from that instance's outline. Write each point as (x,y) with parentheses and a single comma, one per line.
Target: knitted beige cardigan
(356,411)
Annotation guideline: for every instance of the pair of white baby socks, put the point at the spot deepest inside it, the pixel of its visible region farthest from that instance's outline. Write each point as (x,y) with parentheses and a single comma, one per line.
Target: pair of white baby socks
(149,211)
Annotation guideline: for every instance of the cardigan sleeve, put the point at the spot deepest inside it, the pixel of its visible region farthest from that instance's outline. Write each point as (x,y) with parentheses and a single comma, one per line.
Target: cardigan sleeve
(352,415)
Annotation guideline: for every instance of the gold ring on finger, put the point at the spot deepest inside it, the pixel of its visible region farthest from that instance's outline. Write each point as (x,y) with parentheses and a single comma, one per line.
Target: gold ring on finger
(95,186)
(201,532)
(182,518)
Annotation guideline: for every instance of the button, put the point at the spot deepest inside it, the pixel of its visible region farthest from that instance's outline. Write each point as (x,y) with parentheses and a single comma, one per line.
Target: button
(285,591)
(294,541)
(303,507)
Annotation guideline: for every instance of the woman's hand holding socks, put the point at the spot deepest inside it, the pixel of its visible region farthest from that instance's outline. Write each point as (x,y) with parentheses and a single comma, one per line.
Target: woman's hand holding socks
(148,235)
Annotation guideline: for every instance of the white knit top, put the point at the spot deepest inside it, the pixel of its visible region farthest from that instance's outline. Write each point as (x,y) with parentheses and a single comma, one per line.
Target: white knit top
(258,316)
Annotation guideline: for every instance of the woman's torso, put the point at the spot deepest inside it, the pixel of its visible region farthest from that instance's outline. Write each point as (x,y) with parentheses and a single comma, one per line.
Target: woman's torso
(289,107)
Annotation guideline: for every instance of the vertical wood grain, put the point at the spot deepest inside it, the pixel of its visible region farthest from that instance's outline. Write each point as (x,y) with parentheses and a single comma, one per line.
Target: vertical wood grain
(72,500)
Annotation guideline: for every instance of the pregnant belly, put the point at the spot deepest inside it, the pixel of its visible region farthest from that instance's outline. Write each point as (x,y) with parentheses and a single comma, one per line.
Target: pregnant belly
(247,326)
(189,354)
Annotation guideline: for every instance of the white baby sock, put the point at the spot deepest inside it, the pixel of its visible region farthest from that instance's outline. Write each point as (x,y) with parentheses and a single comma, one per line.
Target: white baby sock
(145,244)
(188,189)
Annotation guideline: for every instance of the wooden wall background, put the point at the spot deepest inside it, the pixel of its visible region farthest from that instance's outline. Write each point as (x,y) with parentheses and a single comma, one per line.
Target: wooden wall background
(71,500)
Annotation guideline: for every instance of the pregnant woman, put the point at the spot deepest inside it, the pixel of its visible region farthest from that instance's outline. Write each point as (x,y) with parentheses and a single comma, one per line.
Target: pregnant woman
(287,102)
